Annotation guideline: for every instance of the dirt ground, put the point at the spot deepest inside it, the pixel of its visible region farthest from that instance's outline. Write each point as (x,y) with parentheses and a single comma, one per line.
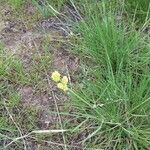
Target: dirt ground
(22,41)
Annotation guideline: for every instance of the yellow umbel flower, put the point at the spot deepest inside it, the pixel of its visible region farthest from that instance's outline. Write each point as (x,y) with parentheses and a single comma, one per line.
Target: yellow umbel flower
(62,86)
(64,80)
(55,76)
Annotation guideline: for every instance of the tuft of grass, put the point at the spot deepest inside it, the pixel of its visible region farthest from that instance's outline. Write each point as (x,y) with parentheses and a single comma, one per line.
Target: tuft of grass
(12,69)
(16,4)
(114,94)
(138,9)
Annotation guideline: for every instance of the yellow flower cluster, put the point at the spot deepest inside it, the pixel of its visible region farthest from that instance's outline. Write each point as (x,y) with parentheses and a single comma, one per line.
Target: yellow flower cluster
(62,82)
(55,76)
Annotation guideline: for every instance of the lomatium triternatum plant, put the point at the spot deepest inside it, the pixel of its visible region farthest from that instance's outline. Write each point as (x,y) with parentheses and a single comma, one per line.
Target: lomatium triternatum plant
(61,82)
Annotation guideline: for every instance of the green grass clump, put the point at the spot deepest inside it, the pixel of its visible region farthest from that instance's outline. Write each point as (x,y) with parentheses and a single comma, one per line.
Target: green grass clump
(138,9)
(142,6)
(17,4)
(114,94)
(12,70)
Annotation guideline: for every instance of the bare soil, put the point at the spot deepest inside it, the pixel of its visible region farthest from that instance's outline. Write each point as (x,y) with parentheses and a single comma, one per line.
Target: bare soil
(21,41)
